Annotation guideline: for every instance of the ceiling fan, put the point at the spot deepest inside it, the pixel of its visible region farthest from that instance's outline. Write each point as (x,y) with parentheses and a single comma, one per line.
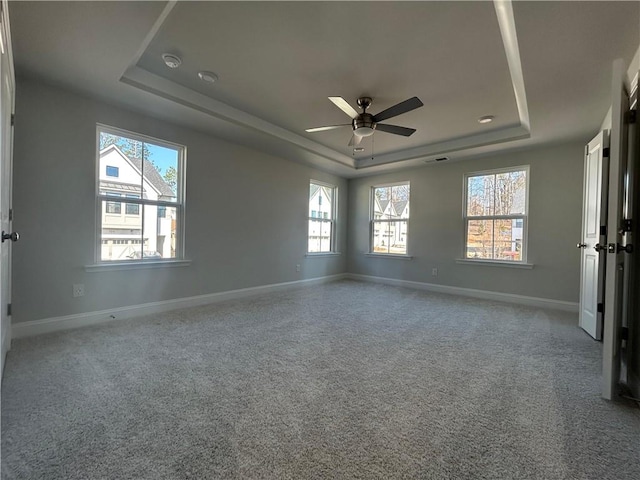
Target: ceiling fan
(364,124)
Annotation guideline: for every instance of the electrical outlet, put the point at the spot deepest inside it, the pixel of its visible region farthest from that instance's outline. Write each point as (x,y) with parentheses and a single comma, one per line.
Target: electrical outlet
(434,272)
(297,267)
(78,289)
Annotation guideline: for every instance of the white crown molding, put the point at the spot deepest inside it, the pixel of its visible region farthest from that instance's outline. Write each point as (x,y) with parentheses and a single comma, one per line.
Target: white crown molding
(471,292)
(154,84)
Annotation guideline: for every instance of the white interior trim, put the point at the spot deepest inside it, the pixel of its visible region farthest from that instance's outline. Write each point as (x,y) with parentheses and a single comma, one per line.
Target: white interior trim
(471,292)
(54,324)
(507,23)
(494,263)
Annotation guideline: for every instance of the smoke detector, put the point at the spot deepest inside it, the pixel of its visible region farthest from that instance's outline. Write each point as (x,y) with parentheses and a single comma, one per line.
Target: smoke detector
(171,60)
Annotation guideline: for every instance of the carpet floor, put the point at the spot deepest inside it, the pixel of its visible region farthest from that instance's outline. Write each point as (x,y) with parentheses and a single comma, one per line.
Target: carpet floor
(343,380)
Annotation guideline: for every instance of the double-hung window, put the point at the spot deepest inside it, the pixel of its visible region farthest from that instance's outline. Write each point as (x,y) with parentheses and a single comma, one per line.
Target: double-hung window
(147,176)
(390,218)
(495,214)
(322,217)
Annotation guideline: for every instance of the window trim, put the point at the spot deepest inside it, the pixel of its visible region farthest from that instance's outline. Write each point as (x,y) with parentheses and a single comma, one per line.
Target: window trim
(372,220)
(333,220)
(525,217)
(179,204)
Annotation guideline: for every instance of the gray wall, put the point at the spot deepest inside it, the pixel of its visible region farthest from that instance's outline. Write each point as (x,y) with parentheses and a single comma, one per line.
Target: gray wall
(246,218)
(436,230)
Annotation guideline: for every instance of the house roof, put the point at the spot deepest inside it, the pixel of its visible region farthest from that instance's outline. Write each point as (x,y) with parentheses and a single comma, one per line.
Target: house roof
(153,176)
(400,206)
(150,173)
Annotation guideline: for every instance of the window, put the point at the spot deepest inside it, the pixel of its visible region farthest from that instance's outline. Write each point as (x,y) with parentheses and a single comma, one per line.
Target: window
(322,217)
(112,171)
(148,175)
(495,214)
(390,218)
(132,208)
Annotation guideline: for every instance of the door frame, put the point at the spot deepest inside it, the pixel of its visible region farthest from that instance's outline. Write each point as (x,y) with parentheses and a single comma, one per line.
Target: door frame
(614,276)
(7,183)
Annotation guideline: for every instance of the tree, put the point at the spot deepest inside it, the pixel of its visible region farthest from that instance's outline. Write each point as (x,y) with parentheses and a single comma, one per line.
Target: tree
(131,148)
(171,177)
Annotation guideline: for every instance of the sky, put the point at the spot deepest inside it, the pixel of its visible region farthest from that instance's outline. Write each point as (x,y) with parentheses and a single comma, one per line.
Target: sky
(163,157)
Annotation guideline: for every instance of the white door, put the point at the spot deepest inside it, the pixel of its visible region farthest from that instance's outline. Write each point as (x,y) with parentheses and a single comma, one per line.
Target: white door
(6,142)
(593,242)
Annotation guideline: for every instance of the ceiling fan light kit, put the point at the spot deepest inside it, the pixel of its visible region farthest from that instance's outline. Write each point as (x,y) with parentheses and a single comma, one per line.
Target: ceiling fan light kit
(364,124)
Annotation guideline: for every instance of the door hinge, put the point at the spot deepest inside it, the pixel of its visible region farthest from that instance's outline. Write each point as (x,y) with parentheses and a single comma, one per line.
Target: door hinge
(605,152)
(600,307)
(10,214)
(630,116)
(8,309)
(603,230)
(13,119)
(626,225)
(624,333)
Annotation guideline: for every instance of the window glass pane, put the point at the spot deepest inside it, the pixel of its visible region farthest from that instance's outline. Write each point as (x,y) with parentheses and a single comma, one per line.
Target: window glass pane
(319,236)
(390,237)
(321,201)
(508,240)
(510,193)
(479,239)
(315,233)
(159,233)
(122,155)
(120,236)
(382,202)
(161,171)
(480,190)
(381,237)
(398,238)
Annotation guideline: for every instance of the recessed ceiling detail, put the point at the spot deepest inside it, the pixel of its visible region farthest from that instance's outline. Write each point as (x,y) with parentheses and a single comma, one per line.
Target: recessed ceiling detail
(536,67)
(314,63)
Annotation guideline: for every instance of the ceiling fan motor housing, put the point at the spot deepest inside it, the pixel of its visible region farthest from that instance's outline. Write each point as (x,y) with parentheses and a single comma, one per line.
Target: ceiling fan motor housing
(363,125)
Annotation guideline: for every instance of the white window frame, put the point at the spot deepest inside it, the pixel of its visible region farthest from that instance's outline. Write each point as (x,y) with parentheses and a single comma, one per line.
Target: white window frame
(524,217)
(178,204)
(332,221)
(372,219)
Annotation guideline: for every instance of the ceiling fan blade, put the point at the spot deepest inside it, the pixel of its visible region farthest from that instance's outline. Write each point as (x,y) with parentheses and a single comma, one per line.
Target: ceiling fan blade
(395,129)
(398,109)
(342,104)
(329,127)
(355,141)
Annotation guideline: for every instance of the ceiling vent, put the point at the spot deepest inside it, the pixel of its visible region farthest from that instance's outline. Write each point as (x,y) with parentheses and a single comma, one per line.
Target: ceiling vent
(436,159)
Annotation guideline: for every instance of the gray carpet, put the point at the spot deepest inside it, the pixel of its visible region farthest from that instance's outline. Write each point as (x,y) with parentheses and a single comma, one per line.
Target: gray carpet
(344,380)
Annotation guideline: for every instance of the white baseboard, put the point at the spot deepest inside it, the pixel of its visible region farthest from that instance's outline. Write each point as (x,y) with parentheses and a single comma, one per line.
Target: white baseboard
(47,325)
(470,292)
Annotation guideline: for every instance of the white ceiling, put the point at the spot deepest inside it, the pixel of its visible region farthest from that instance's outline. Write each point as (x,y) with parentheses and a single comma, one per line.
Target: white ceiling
(279,61)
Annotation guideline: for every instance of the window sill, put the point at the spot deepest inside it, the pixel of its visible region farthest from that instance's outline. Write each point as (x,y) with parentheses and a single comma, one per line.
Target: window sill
(322,254)
(495,263)
(389,255)
(108,267)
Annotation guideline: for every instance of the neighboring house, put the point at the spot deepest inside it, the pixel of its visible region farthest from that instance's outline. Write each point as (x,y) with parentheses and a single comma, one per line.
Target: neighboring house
(129,229)
(320,206)
(392,234)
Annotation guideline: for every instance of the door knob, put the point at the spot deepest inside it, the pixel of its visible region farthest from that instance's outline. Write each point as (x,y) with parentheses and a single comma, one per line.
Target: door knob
(597,247)
(581,245)
(13,236)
